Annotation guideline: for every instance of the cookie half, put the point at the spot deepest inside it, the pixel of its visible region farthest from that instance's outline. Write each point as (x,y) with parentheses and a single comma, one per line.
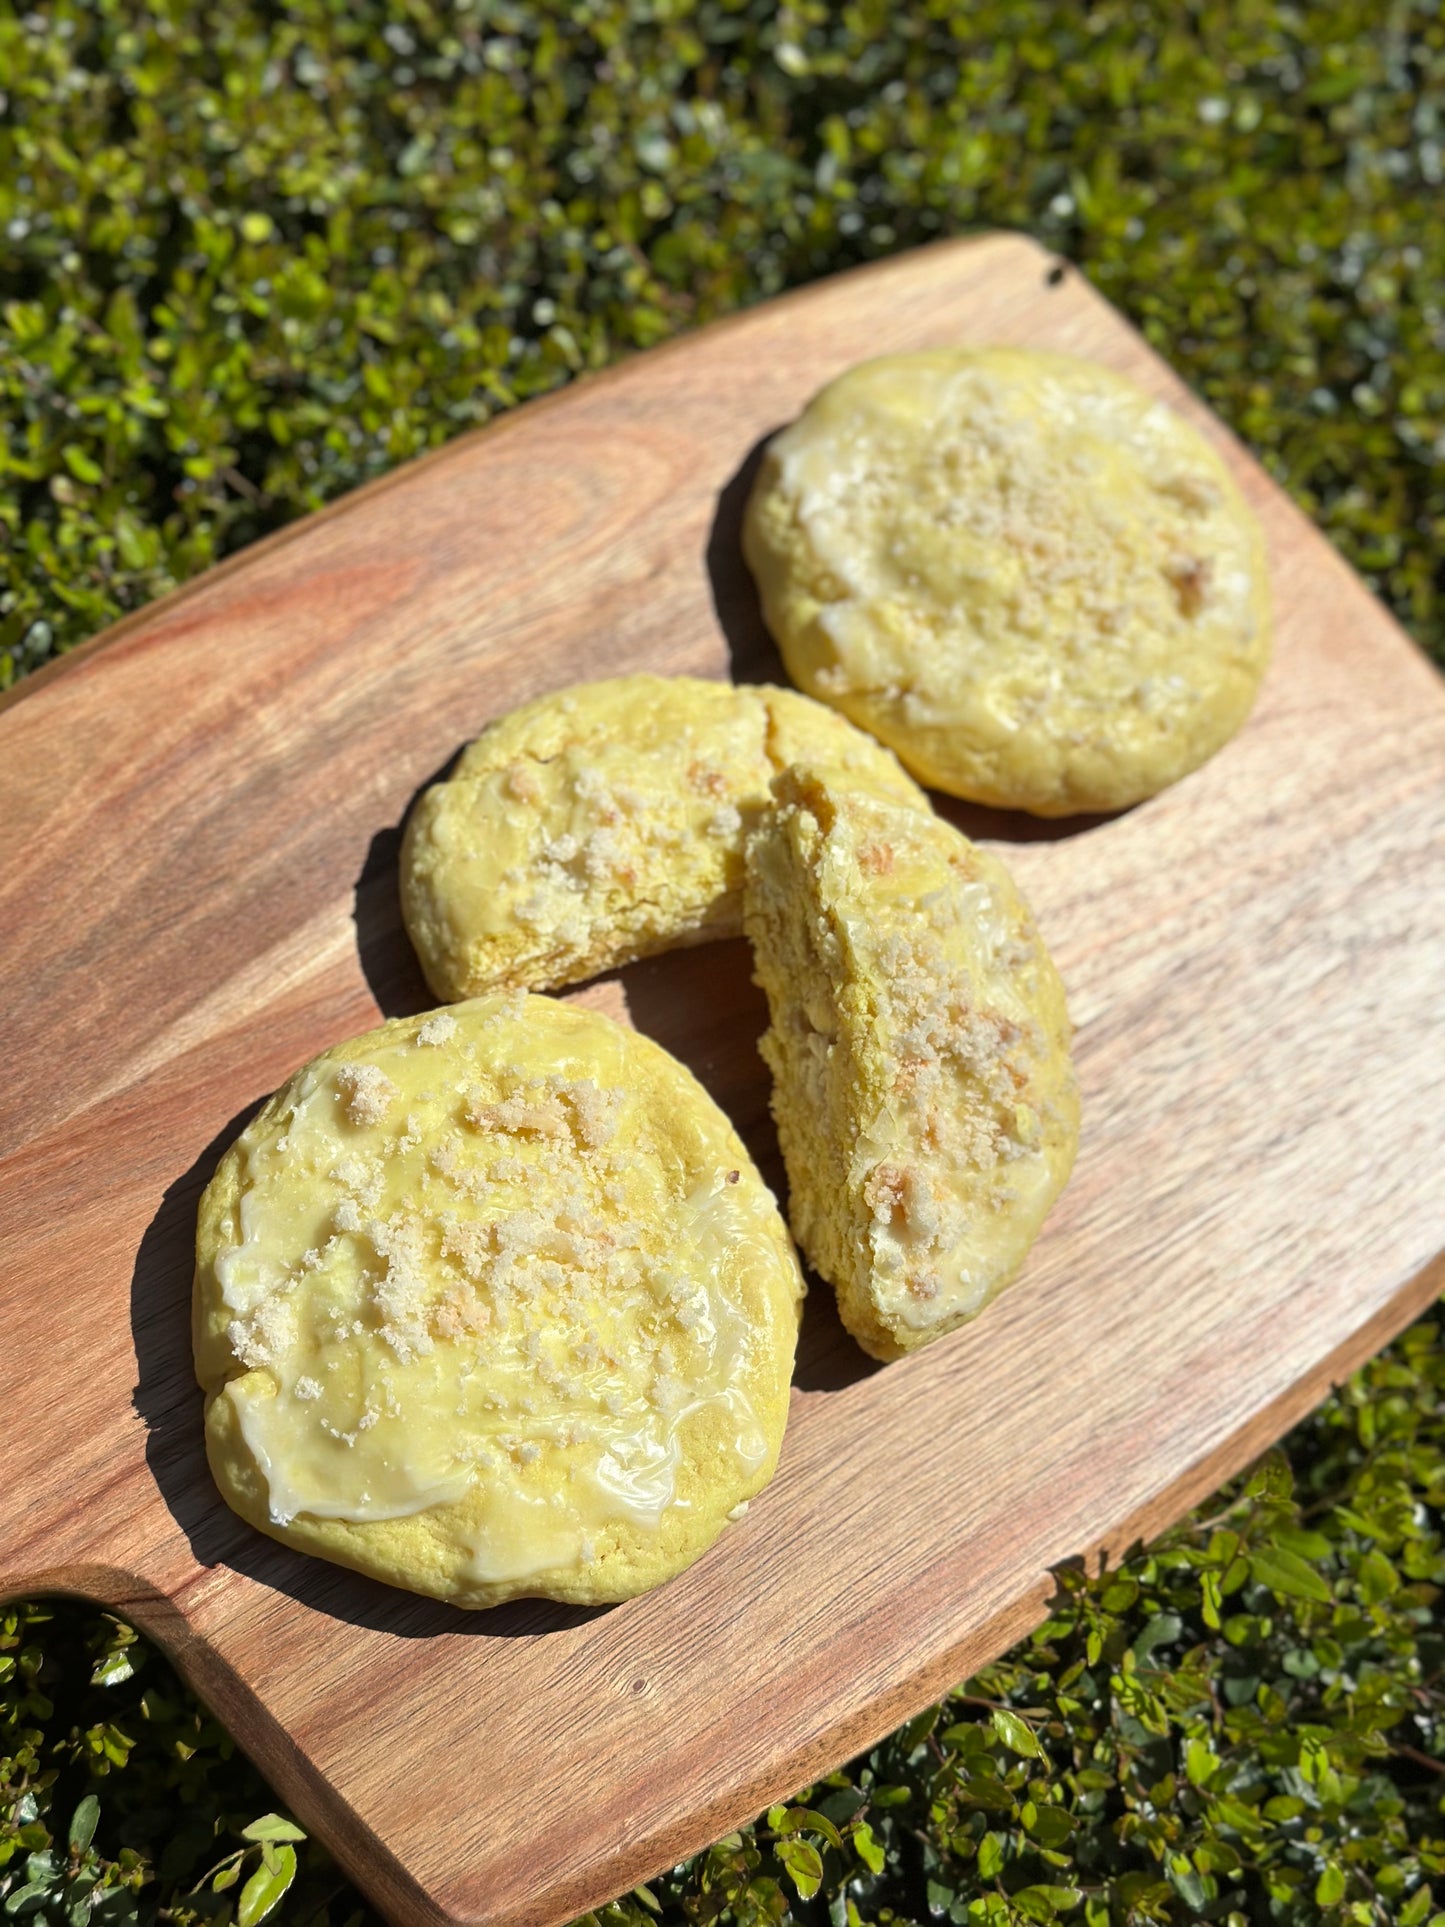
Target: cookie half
(492,1302)
(606,822)
(920,1050)
(1036,583)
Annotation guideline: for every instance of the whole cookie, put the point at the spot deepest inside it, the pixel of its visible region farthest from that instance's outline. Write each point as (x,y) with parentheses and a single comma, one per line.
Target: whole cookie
(1039,585)
(492,1302)
(919,1045)
(606,822)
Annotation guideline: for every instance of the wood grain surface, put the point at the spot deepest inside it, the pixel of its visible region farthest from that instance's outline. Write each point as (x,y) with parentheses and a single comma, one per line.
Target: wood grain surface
(202,811)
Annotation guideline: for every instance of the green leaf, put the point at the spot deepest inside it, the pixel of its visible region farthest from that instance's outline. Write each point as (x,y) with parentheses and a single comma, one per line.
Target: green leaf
(83,1823)
(990,1856)
(272,1826)
(1284,1806)
(841,1804)
(867,1848)
(796,1818)
(1210,1599)
(26,322)
(266,1888)
(1187,1883)
(1162,1630)
(1285,1573)
(1311,1546)
(986,1791)
(1375,1578)
(1272,1479)
(1330,1887)
(804,1864)
(81,466)
(1015,1733)
(29,1898)
(112,1669)
(918,1729)
(1044,1903)
(135,553)
(1051,1826)
(1200,1762)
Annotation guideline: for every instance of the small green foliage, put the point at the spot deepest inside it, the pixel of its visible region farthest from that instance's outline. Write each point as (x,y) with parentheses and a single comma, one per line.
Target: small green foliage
(267,1886)
(254,254)
(121,1800)
(1244,1721)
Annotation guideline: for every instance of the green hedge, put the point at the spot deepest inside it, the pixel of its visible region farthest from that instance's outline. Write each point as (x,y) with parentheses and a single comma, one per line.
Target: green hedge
(251,255)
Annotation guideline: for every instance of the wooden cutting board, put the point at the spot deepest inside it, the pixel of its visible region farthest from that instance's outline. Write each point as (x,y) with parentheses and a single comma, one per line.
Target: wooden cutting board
(201,814)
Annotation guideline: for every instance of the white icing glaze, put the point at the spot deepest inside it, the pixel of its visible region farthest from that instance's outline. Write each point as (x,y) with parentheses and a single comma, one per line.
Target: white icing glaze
(455,1321)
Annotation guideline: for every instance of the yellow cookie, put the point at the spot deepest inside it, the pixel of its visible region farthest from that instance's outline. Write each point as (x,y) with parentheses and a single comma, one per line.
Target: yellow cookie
(604,823)
(1036,583)
(492,1302)
(919,1046)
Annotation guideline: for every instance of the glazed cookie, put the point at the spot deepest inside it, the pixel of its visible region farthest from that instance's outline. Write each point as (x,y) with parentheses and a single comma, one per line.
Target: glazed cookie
(1035,582)
(919,1046)
(492,1302)
(605,823)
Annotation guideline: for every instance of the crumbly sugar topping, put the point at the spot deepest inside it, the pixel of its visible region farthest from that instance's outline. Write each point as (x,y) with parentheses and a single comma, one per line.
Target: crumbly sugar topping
(366,1092)
(439,1028)
(1004,523)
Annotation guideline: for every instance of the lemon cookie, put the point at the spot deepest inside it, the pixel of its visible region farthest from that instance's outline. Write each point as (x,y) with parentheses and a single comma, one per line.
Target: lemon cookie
(606,822)
(492,1302)
(1035,582)
(919,1046)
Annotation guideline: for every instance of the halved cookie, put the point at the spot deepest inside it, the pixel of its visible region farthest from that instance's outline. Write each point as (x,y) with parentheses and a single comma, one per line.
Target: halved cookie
(605,822)
(923,1086)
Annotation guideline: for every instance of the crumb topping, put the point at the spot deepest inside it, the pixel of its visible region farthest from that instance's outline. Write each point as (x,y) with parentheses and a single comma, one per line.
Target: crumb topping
(908,1046)
(1029,519)
(439,1028)
(366,1092)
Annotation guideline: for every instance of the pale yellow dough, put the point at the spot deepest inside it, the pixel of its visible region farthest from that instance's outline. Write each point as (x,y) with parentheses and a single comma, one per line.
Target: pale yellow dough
(606,822)
(1039,585)
(923,1085)
(492,1302)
